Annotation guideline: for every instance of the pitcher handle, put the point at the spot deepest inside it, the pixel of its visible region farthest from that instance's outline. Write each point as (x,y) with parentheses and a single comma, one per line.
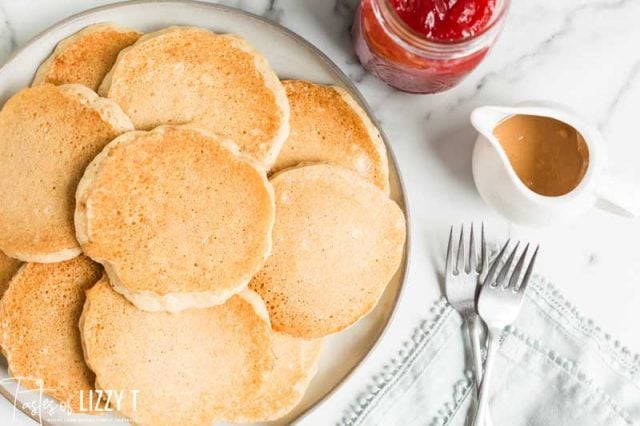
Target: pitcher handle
(618,196)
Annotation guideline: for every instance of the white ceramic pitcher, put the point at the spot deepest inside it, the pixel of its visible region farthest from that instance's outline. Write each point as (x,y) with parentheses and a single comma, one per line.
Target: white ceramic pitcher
(501,188)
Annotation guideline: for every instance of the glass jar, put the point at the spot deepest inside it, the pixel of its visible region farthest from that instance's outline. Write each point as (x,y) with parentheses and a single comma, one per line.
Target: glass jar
(406,60)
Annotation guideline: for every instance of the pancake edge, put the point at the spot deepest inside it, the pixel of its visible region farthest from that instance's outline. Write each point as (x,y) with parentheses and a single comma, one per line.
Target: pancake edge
(53,257)
(45,66)
(249,296)
(81,328)
(273,84)
(374,135)
(4,334)
(269,77)
(300,387)
(371,306)
(304,384)
(372,132)
(111,114)
(7,354)
(149,300)
(109,111)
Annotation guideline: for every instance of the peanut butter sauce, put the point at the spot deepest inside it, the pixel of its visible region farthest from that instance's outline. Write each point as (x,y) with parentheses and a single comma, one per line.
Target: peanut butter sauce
(549,156)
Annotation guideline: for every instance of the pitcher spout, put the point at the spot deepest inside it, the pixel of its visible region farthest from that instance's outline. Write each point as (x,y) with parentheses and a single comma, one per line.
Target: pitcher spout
(485,119)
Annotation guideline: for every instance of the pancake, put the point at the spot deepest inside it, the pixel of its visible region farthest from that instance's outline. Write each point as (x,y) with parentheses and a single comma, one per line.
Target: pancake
(85,57)
(328,125)
(179,218)
(48,136)
(337,241)
(39,329)
(8,267)
(191,75)
(190,368)
(296,362)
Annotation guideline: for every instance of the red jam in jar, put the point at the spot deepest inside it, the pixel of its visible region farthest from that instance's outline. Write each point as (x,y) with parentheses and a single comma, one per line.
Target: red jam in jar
(425,46)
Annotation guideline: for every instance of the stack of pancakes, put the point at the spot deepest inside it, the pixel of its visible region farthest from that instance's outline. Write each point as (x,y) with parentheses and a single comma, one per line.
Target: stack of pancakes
(192,231)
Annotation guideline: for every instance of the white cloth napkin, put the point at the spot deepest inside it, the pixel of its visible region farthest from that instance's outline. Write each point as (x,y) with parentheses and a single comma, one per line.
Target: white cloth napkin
(554,368)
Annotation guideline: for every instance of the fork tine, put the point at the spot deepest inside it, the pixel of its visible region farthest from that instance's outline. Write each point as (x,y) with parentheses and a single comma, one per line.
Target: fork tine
(517,272)
(448,264)
(494,267)
(502,276)
(473,255)
(460,261)
(527,275)
(484,260)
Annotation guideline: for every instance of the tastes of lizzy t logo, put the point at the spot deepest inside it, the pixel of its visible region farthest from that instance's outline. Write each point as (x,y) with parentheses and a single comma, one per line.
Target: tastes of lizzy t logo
(107,400)
(30,395)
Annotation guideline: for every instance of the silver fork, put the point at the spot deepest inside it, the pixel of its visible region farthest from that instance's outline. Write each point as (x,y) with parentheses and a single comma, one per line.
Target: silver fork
(461,284)
(499,304)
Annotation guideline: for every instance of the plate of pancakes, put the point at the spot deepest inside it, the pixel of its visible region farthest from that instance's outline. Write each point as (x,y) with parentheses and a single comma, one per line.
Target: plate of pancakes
(201,221)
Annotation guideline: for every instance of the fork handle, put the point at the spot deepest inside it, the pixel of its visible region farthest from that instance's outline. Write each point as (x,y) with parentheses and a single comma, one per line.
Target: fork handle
(483,399)
(474,324)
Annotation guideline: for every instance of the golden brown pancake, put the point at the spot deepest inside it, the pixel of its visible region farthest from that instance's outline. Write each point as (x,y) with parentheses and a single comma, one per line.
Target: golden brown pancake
(295,365)
(85,57)
(179,218)
(39,328)
(328,125)
(48,136)
(8,267)
(190,368)
(337,241)
(191,75)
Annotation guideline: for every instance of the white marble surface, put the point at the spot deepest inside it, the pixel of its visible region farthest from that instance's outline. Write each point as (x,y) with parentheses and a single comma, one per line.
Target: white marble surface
(583,53)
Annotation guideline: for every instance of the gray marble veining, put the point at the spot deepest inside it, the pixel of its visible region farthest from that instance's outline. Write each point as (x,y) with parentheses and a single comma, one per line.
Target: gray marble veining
(582,53)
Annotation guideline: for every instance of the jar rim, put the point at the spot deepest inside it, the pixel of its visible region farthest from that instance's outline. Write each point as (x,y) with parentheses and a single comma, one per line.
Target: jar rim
(415,42)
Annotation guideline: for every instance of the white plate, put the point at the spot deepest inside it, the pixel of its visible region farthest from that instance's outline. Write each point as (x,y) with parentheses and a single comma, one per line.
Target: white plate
(291,57)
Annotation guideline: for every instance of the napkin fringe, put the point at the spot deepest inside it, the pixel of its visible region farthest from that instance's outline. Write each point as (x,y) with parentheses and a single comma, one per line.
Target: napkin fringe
(461,391)
(548,292)
(392,370)
(422,334)
(571,369)
(462,388)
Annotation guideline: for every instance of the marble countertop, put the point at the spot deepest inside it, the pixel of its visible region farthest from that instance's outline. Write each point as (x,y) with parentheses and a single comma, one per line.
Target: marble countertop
(583,53)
